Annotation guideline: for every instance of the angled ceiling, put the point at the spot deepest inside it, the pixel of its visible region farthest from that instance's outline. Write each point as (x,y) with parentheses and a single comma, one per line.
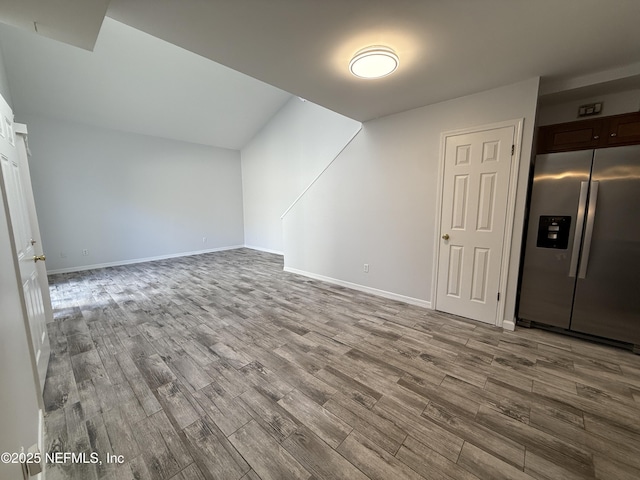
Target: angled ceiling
(447,49)
(136,83)
(74,22)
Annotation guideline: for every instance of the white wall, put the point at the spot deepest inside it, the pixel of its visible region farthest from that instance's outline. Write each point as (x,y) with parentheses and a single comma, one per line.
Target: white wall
(4,82)
(125,196)
(612,104)
(376,204)
(282,160)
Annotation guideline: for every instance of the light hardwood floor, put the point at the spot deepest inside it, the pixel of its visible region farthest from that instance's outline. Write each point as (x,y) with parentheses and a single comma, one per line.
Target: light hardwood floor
(222,366)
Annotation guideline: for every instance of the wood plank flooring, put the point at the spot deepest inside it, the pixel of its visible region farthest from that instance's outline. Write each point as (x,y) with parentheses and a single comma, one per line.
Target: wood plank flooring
(222,366)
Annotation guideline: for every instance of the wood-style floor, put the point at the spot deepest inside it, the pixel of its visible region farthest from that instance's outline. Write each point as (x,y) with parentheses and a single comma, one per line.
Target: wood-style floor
(222,366)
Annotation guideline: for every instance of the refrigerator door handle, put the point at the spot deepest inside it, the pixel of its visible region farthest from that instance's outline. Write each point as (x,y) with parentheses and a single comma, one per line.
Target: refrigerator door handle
(577,237)
(588,231)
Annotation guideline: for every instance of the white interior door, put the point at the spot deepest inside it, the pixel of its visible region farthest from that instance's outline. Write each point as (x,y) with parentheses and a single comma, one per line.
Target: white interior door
(27,249)
(475,192)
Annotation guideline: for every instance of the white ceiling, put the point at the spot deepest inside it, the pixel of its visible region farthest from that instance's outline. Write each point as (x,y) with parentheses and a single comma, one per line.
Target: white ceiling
(76,22)
(447,49)
(137,83)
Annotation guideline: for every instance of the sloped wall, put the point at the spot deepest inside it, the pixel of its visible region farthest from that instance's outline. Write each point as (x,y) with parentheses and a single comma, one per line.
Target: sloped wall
(282,160)
(376,204)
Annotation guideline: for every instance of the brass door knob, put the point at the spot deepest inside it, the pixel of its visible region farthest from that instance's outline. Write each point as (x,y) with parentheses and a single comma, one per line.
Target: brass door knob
(445,236)
(42,258)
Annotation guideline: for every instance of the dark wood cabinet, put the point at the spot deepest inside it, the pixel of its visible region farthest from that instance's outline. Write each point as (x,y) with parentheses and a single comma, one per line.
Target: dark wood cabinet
(564,137)
(624,129)
(587,134)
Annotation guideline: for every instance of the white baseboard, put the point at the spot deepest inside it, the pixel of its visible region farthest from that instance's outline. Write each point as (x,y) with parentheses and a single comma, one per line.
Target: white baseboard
(509,324)
(267,250)
(140,260)
(362,288)
(41,447)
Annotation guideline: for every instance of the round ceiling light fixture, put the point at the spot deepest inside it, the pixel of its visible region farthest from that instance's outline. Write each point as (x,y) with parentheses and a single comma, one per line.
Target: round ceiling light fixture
(374,62)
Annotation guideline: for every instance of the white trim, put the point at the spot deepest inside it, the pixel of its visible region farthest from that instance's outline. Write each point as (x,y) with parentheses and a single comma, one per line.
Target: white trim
(267,250)
(140,260)
(41,447)
(509,215)
(436,230)
(362,288)
(322,172)
(20,128)
(509,324)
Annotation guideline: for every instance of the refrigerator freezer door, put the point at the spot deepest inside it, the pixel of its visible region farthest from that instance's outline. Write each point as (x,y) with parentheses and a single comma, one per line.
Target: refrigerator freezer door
(607,299)
(560,186)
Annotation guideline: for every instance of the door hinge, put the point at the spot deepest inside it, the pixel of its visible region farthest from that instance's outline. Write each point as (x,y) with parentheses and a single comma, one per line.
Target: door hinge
(513,150)
(498,296)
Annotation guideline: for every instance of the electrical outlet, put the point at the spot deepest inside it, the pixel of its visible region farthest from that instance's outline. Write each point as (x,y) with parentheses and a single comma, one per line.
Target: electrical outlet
(366,268)
(85,252)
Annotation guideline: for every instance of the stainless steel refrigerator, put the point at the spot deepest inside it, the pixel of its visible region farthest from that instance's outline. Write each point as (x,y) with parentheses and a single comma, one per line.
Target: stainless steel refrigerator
(581,267)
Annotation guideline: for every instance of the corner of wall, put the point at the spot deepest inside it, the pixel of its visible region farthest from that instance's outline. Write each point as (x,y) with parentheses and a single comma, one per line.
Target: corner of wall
(4,80)
(288,154)
(509,324)
(377,204)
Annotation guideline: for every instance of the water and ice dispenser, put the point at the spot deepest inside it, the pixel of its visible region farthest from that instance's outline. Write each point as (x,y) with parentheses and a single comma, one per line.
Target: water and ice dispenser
(553,231)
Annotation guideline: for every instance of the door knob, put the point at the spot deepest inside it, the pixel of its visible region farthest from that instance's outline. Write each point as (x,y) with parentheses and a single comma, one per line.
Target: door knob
(445,236)
(39,257)
(32,241)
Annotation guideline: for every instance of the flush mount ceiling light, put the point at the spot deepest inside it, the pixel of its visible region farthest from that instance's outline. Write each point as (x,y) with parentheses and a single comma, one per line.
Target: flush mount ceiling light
(374,62)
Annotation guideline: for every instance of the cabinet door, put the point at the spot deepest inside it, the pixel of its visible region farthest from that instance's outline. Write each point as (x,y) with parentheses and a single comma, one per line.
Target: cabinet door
(564,137)
(624,129)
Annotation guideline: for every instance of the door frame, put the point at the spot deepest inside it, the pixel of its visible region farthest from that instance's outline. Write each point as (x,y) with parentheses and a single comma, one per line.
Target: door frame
(509,216)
